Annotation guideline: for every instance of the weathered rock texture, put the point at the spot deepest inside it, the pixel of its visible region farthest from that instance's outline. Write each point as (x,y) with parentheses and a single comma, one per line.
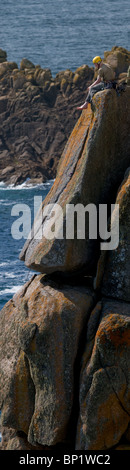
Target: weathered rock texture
(43,325)
(38,113)
(105,378)
(116,280)
(65,339)
(98,144)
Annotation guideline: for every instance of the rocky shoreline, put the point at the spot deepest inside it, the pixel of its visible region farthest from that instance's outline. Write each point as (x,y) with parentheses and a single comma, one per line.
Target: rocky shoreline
(38,113)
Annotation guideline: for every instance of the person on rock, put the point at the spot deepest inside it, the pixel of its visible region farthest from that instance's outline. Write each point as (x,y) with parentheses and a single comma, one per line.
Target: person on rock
(104,80)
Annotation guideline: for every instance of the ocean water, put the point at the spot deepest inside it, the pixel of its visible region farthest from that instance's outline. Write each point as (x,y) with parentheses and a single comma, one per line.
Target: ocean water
(13,272)
(62,34)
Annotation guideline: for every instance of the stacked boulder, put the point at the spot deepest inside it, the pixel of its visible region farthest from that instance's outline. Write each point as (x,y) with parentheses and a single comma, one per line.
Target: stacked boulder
(65,377)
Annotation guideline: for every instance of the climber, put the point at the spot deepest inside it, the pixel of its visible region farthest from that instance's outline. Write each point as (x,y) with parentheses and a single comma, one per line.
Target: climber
(105,79)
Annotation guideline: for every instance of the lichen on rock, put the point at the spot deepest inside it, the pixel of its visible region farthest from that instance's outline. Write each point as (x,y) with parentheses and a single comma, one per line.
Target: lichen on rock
(97,145)
(104,381)
(39,382)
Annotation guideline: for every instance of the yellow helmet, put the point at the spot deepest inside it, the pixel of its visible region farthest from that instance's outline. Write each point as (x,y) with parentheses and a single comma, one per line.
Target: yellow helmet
(97,59)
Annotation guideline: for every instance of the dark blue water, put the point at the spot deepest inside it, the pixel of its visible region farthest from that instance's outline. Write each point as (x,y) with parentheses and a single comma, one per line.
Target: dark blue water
(13,272)
(62,34)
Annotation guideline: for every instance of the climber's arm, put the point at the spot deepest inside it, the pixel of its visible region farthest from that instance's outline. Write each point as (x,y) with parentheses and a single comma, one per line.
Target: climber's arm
(95,83)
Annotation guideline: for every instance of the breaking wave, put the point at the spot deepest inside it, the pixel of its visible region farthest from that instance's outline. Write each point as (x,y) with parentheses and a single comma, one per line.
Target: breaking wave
(26,185)
(12,290)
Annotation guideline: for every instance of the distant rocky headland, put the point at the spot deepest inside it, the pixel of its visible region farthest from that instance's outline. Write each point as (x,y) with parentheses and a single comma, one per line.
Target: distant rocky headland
(38,113)
(65,335)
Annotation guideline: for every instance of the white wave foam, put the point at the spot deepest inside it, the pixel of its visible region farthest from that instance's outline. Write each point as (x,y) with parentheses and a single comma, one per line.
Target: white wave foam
(9,275)
(25,185)
(3,264)
(7,203)
(2,185)
(12,290)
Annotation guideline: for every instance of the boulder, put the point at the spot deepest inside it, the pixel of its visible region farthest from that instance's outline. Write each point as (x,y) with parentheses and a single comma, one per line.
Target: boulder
(6,67)
(104,380)
(64,74)
(118,58)
(3,55)
(42,326)
(16,386)
(26,64)
(97,146)
(3,69)
(65,81)
(18,80)
(63,85)
(116,279)
(42,76)
(82,75)
(50,92)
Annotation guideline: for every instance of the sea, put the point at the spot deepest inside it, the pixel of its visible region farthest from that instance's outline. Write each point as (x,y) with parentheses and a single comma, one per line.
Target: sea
(13,272)
(57,34)
(61,34)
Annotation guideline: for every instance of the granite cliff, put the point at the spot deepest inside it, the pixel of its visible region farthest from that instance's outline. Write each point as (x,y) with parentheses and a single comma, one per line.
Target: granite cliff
(65,374)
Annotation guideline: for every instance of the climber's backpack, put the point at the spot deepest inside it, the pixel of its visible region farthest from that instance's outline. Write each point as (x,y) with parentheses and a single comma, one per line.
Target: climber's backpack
(120,88)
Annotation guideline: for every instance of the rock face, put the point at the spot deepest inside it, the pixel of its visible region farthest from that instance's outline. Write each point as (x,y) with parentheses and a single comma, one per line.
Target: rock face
(98,143)
(116,281)
(65,336)
(104,380)
(44,323)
